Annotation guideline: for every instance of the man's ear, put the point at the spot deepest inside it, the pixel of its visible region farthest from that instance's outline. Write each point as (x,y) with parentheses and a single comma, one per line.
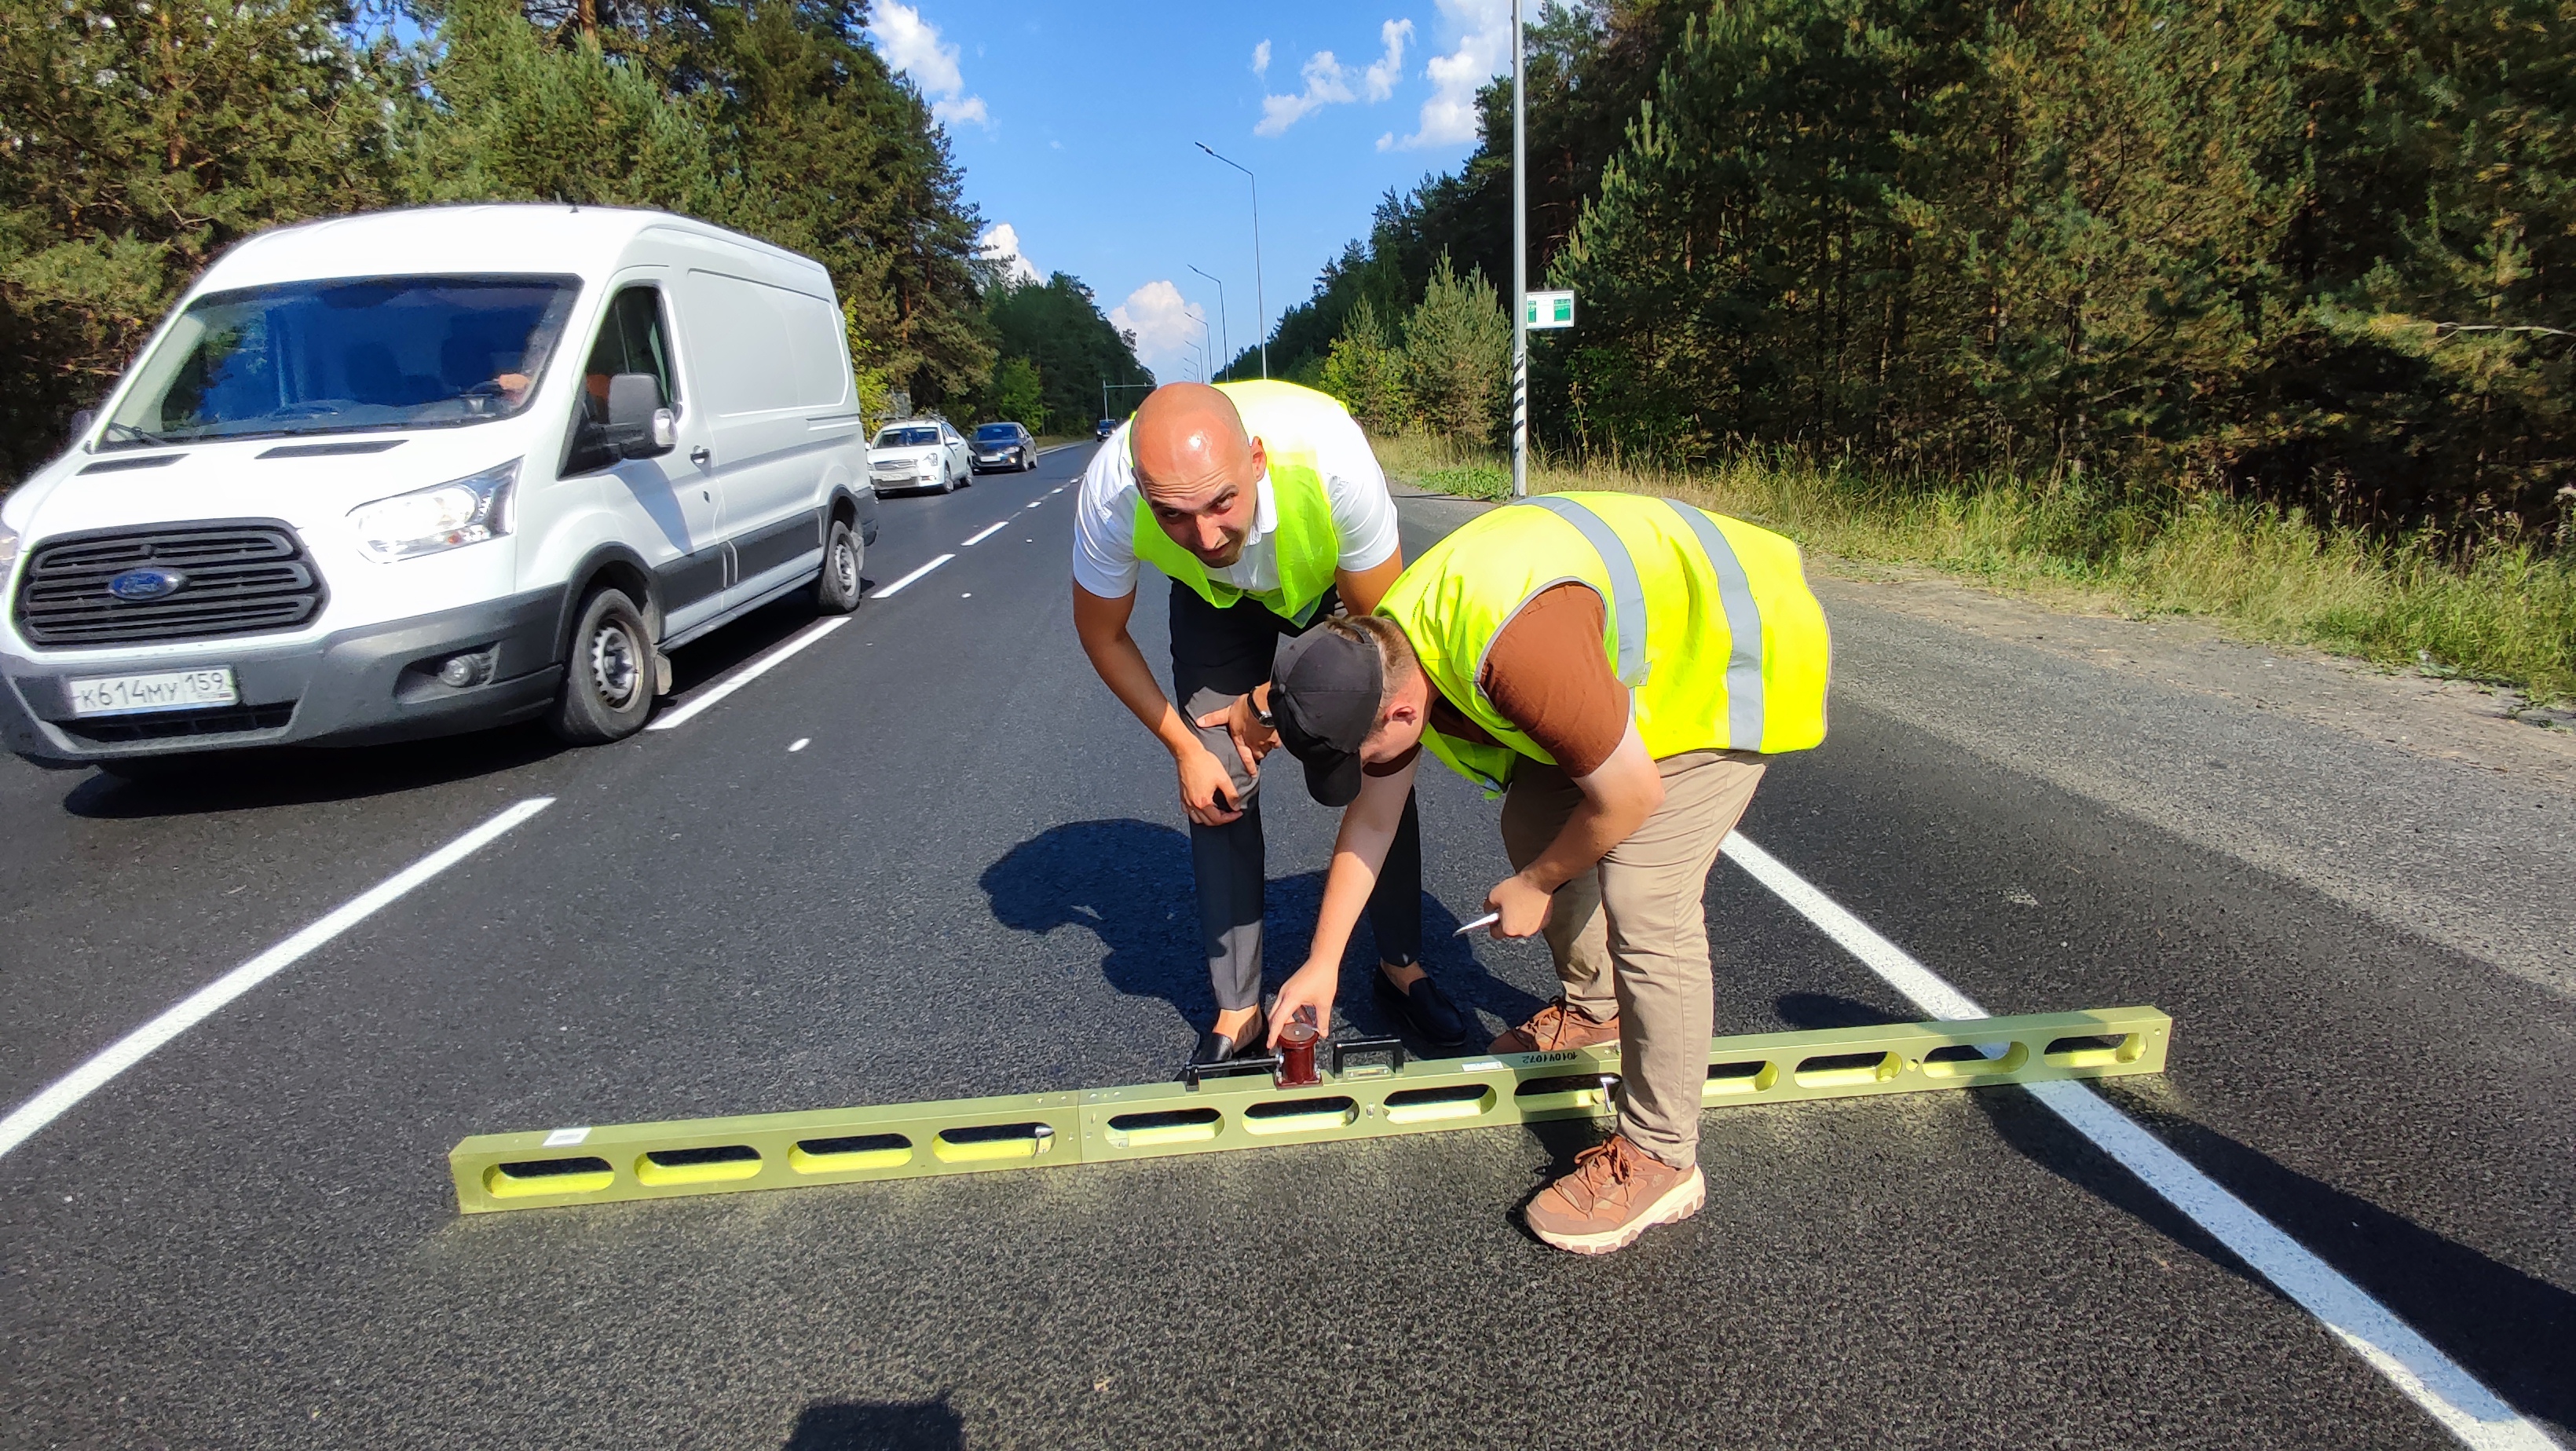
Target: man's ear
(1260,457)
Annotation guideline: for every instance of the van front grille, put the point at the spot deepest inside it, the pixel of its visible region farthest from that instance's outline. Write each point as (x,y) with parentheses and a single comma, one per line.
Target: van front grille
(238,578)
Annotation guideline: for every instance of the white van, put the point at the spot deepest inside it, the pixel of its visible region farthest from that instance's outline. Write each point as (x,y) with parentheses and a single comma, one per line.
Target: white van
(424,471)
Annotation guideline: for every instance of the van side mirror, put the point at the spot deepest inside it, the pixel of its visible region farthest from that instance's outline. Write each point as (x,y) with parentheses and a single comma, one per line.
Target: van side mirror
(83,419)
(638,425)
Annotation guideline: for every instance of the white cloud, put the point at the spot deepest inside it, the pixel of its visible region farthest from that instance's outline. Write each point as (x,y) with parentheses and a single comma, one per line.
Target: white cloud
(912,46)
(1329,82)
(1484,50)
(1165,324)
(1000,243)
(1261,58)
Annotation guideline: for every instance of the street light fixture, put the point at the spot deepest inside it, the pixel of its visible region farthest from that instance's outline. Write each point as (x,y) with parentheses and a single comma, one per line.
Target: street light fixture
(1225,323)
(1259,300)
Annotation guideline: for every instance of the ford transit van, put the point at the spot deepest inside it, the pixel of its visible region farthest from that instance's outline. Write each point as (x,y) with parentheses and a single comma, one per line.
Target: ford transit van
(424,471)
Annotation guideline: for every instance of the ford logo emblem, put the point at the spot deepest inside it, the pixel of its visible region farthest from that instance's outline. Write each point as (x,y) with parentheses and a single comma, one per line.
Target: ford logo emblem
(146,584)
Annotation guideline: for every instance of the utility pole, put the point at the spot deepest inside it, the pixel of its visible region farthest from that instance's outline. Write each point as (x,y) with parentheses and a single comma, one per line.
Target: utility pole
(1520,273)
(1259,300)
(1225,324)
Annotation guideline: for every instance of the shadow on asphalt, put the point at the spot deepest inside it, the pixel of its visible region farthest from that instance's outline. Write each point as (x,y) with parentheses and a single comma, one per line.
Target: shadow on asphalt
(1129,882)
(879,1426)
(2511,1330)
(298,776)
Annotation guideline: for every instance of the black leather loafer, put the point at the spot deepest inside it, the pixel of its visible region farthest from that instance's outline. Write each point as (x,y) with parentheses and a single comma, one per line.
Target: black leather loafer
(1434,1016)
(1215,1047)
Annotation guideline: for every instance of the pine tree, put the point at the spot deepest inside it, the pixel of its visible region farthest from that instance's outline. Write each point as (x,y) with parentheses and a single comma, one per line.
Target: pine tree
(1457,353)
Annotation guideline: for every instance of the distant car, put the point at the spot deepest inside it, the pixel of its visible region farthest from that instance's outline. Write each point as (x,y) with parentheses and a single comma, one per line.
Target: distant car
(918,453)
(1004,445)
(1107,427)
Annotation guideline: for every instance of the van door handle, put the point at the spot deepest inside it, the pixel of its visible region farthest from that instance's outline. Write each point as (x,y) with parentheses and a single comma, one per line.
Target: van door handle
(701,456)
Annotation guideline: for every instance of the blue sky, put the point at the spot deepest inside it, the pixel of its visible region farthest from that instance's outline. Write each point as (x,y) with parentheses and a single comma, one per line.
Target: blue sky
(1074,126)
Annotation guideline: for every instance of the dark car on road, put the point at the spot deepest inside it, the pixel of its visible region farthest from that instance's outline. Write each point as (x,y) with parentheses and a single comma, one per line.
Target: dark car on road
(1004,446)
(1107,427)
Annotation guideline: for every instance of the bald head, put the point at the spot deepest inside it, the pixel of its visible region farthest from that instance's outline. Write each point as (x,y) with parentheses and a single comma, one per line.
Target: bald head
(1199,471)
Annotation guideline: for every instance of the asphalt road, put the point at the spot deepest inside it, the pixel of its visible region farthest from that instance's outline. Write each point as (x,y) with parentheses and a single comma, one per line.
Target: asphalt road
(928,856)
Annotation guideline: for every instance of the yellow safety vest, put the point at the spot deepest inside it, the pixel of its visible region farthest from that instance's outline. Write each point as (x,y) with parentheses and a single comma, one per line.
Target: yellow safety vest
(1707,620)
(1285,418)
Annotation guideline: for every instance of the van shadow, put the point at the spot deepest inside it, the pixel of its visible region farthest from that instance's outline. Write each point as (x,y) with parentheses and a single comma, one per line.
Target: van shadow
(307,775)
(1129,882)
(878,1426)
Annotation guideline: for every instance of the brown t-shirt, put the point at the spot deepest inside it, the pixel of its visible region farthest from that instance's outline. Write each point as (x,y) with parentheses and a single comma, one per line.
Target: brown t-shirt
(1547,674)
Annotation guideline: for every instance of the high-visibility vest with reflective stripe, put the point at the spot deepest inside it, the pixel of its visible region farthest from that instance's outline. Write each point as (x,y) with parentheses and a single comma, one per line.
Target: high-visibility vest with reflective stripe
(1707,620)
(1286,418)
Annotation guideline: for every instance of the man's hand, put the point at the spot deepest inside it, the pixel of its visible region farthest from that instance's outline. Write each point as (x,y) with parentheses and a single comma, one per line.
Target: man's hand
(1311,988)
(1522,902)
(1207,788)
(1252,739)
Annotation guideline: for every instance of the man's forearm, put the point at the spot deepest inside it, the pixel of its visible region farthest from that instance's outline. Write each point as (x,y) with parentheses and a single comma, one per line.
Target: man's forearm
(1102,626)
(1359,854)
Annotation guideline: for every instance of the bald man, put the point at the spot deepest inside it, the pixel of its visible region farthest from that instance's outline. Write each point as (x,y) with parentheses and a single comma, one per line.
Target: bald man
(1263,505)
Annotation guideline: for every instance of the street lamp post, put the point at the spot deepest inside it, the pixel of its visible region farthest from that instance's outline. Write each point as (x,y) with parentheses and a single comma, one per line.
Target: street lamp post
(1225,324)
(1259,301)
(1520,274)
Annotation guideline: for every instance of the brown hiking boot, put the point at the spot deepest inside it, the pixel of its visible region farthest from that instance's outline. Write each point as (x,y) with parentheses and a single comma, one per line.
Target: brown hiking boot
(1616,1193)
(1558,1025)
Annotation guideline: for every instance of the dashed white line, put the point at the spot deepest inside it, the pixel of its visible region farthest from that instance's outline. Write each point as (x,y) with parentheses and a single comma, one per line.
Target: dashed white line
(674,719)
(2447,1392)
(800,743)
(59,1098)
(898,587)
(981,535)
(1033,503)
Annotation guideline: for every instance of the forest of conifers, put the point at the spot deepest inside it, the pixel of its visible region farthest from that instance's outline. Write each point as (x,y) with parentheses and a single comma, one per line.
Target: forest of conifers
(2317,253)
(138,138)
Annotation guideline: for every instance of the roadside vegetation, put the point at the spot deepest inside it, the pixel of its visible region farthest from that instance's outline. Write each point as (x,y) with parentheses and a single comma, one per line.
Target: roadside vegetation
(2265,310)
(2502,613)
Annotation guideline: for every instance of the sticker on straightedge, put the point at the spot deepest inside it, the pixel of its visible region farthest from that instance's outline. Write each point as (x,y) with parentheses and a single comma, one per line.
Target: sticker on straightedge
(566,1138)
(1480,1065)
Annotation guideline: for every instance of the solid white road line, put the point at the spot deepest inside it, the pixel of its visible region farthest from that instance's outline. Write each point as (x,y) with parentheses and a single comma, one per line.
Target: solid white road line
(898,586)
(57,1099)
(981,535)
(2447,1392)
(673,720)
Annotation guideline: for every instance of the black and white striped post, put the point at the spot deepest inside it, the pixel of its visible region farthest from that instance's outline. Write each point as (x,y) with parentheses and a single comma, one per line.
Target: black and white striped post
(1520,273)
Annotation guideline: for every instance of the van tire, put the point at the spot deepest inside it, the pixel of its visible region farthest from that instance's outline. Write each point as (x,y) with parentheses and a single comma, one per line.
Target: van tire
(608,682)
(947,480)
(840,589)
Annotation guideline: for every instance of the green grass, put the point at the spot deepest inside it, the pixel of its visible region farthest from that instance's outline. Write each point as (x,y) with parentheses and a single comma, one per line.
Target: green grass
(2506,615)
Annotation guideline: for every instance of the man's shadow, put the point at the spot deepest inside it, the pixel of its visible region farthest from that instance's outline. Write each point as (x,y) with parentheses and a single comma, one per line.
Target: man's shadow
(1129,882)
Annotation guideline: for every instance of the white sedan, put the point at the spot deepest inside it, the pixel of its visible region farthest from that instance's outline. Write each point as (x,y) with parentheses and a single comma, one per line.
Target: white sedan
(918,453)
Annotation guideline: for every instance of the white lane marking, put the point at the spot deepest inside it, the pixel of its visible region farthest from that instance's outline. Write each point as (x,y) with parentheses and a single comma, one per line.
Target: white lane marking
(1033,503)
(1058,489)
(800,743)
(2446,1391)
(673,720)
(898,586)
(58,1098)
(981,535)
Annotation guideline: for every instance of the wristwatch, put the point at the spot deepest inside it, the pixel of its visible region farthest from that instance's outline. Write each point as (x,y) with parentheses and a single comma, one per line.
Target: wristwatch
(1268,721)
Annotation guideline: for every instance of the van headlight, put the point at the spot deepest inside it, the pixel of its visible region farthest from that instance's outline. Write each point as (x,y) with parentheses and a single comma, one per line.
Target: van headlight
(8,549)
(449,516)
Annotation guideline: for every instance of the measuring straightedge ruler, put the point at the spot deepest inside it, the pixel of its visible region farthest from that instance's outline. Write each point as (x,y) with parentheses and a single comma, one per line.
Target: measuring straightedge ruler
(1361,1100)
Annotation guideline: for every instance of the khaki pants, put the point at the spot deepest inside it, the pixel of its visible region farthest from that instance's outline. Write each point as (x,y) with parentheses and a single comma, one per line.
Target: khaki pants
(1630,936)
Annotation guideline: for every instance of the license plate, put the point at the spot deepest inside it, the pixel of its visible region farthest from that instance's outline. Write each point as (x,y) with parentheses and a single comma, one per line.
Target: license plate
(168,690)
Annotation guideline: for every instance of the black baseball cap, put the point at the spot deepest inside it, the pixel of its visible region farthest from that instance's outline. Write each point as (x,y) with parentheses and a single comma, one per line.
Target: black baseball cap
(1324,690)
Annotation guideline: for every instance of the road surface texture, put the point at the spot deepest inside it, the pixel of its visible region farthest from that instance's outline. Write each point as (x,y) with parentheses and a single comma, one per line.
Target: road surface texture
(927,855)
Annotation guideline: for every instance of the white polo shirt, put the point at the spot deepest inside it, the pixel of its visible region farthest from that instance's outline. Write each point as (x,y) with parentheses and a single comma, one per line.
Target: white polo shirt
(1104,515)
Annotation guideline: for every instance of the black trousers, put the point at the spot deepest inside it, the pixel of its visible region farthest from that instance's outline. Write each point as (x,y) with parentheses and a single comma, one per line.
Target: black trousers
(1218,654)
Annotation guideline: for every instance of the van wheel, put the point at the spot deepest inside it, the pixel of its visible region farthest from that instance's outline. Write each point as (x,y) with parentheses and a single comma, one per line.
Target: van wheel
(608,682)
(837,592)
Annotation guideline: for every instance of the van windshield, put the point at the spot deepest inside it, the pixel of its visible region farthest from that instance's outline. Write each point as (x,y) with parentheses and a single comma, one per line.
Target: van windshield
(908,438)
(345,355)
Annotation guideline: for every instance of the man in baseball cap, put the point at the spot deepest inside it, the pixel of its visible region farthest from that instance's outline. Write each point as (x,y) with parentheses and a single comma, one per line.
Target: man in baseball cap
(1618,669)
